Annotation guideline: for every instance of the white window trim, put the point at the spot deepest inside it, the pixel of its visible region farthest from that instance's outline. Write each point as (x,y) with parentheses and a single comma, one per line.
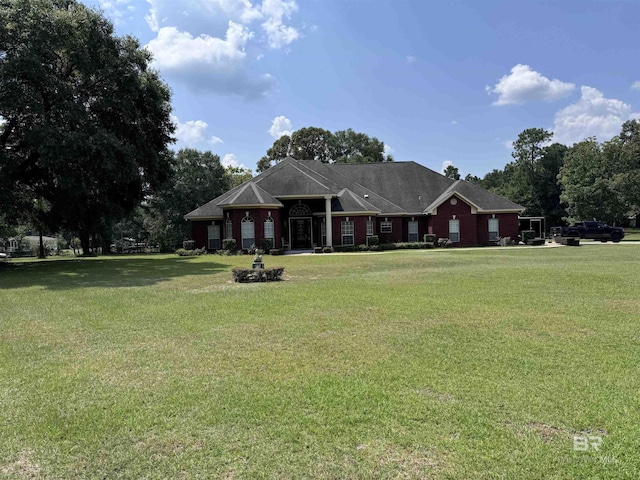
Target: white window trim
(245,222)
(215,229)
(455,231)
(370,228)
(416,233)
(384,225)
(228,227)
(496,231)
(269,221)
(348,230)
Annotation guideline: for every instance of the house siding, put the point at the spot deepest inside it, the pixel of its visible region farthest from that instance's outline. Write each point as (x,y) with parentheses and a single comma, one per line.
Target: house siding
(359,228)
(397,230)
(423,227)
(258,215)
(508,226)
(462,212)
(199,233)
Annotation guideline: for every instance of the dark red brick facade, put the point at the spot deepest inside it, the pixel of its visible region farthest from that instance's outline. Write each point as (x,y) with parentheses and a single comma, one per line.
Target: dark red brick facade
(474,228)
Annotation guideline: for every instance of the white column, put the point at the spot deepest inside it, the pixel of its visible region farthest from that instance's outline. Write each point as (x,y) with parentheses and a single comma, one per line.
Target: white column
(328,228)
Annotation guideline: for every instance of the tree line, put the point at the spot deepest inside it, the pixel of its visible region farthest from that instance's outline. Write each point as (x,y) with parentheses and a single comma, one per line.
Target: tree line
(590,180)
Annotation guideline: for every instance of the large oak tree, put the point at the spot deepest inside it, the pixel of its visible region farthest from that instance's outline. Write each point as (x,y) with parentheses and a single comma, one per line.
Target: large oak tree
(313,143)
(85,121)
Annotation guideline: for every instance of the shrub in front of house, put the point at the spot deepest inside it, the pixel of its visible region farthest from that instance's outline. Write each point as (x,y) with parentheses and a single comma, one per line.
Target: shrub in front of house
(190,253)
(250,275)
(327,249)
(229,247)
(188,244)
(412,245)
(363,248)
(388,246)
(276,251)
(345,248)
(266,244)
(373,240)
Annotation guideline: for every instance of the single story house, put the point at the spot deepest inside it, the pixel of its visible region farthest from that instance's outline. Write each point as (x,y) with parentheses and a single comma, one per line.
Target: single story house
(299,204)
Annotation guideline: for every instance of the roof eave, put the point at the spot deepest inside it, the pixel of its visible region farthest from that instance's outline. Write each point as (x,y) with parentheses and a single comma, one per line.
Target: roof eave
(206,218)
(251,205)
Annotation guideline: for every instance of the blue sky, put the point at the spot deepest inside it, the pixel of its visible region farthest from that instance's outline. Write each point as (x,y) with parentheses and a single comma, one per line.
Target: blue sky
(438,81)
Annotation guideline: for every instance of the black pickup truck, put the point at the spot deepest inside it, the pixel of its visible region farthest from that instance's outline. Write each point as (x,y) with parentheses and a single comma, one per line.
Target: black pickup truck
(590,230)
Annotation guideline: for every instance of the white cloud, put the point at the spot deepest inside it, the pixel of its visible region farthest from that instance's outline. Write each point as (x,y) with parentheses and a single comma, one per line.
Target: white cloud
(280,126)
(387,150)
(445,164)
(410,59)
(193,133)
(115,9)
(525,85)
(208,63)
(174,49)
(204,44)
(636,85)
(211,16)
(591,116)
(274,11)
(230,160)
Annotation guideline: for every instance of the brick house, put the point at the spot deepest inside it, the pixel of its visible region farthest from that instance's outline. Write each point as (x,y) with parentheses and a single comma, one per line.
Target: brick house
(299,204)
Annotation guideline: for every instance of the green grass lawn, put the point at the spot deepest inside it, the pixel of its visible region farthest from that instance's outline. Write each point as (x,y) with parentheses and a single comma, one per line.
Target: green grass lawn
(455,364)
(631,234)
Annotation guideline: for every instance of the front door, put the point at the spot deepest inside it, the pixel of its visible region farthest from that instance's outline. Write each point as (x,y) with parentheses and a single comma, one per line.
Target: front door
(300,233)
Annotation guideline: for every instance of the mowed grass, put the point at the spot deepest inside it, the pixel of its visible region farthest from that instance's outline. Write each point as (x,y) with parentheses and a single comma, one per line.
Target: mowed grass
(456,364)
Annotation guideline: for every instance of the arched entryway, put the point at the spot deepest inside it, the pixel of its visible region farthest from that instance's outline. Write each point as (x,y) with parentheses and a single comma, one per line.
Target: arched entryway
(300,227)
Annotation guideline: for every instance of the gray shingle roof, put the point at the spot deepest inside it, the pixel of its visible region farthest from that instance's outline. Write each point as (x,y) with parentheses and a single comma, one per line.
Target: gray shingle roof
(407,184)
(249,194)
(394,188)
(349,202)
(483,200)
(289,177)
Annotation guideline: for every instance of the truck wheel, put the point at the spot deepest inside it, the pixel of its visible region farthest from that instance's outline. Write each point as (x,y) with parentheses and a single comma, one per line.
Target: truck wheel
(616,237)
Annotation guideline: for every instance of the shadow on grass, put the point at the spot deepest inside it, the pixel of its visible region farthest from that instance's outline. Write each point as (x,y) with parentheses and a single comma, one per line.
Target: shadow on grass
(106,272)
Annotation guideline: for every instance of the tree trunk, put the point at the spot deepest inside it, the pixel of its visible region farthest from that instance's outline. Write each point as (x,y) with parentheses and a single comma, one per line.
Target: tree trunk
(85,243)
(41,249)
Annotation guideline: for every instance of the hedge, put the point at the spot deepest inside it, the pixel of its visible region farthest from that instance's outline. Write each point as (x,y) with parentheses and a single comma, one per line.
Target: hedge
(249,275)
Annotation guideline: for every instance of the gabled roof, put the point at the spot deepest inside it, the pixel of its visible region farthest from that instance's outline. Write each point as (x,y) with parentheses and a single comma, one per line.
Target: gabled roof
(249,194)
(349,202)
(483,201)
(393,188)
(289,177)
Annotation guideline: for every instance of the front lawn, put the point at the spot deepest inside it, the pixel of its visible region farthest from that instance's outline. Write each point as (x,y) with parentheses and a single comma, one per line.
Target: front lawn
(457,364)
